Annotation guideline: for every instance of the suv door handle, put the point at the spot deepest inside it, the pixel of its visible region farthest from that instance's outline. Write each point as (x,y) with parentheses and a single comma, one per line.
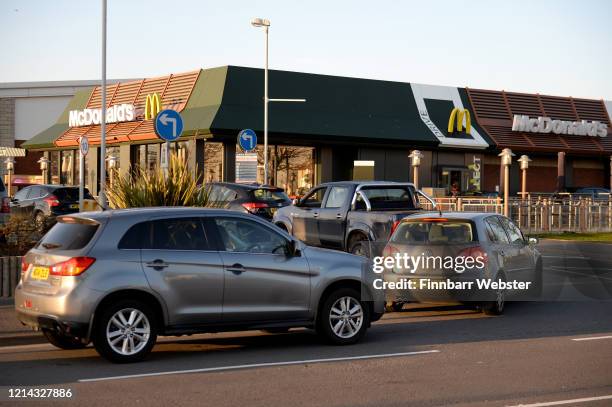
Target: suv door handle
(236,268)
(157,264)
(315,214)
(338,216)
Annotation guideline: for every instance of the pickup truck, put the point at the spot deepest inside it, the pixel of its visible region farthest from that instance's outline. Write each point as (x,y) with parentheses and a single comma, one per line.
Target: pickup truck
(354,216)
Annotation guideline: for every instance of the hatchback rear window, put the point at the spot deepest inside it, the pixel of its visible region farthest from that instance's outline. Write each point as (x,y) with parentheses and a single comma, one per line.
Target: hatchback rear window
(429,232)
(270,195)
(68,236)
(70,194)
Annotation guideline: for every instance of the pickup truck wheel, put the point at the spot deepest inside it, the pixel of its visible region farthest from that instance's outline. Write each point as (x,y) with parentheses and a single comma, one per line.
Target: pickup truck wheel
(62,341)
(343,318)
(360,246)
(125,331)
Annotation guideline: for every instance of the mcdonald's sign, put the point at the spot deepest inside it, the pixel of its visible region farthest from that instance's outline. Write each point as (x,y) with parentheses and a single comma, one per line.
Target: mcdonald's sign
(457,116)
(152,106)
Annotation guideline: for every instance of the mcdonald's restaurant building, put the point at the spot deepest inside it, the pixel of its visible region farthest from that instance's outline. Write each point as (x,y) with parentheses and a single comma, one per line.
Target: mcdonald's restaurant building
(343,123)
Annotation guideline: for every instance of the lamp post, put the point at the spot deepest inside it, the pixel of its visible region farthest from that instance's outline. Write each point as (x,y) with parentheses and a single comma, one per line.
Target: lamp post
(415,157)
(10,167)
(112,163)
(103,112)
(506,160)
(44,168)
(262,22)
(524,161)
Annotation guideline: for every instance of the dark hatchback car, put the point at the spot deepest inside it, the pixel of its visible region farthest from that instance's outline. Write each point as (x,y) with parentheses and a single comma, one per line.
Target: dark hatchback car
(45,202)
(256,199)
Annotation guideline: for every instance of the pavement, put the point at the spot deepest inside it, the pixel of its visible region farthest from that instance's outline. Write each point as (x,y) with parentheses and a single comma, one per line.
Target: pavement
(536,354)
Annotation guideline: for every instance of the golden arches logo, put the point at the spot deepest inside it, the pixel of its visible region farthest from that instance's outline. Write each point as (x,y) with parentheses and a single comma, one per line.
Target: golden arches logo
(152,106)
(457,116)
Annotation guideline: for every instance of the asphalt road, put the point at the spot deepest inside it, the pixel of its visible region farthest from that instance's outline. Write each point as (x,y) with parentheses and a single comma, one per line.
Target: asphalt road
(428,354)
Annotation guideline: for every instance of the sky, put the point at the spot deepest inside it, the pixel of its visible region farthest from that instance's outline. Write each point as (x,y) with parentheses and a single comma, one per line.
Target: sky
(540,46)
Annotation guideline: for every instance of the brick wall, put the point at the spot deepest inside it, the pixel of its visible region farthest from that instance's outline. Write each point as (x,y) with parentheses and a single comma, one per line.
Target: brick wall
(7,125)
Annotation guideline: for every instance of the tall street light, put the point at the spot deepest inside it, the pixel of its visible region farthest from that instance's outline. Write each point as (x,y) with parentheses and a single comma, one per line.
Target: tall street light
(103,118)
(506,160)
(262,22)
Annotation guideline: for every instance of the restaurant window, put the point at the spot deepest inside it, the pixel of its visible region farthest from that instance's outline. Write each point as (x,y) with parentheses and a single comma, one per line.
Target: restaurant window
(54,166)
(147,156)
(213,161)
(67,167)
(290,167)
(77,169)
(181,149)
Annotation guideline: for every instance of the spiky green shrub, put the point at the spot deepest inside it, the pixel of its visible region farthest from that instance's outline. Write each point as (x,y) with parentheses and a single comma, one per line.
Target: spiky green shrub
(144,188)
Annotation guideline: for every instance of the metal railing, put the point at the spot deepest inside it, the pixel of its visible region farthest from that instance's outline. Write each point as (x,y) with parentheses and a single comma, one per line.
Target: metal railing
(540,213)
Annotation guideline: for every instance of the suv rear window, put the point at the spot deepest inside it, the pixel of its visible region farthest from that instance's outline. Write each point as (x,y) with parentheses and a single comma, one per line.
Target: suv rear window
(389,197)
(270,195)
(428,232)
(68,236)
(70,194)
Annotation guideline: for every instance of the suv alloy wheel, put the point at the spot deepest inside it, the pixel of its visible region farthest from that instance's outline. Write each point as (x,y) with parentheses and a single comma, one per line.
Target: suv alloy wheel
(343,318)
(125,331)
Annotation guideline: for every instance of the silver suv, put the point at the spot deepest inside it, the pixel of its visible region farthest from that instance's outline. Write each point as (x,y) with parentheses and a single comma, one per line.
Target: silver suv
(120,278)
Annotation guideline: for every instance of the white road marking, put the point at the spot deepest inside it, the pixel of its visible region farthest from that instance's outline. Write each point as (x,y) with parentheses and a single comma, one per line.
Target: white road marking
(256,365)
(561,402)
(592,338)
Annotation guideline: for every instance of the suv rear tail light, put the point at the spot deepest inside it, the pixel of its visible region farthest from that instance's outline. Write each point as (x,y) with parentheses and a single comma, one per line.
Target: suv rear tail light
(253,206)
(474,252)
(52,200)
(72,267)
(5,205)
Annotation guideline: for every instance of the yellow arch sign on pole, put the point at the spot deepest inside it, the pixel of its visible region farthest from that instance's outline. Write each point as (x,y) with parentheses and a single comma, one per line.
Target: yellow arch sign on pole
(457,116)
(152,106)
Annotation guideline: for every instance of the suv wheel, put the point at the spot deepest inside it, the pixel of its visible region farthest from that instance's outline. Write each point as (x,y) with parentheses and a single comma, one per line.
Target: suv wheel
(343,318)
(62,341)
(360,246)
(125,332)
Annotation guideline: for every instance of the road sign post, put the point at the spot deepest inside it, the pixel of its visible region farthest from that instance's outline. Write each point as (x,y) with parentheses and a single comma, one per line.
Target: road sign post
(84,149)
(168,127)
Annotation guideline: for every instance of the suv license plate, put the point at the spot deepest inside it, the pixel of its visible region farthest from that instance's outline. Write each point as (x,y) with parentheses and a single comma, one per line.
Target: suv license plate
(40,273)
(74,206)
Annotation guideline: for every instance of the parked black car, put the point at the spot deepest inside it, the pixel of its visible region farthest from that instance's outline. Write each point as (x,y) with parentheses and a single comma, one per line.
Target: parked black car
(45,202)
(256,199)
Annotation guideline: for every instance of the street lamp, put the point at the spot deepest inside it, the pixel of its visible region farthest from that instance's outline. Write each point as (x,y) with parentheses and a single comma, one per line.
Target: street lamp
(415,157)
(10,167)
(262,22)
(506,160)
(44,168)
(102,193)
(524,161)
(112,163)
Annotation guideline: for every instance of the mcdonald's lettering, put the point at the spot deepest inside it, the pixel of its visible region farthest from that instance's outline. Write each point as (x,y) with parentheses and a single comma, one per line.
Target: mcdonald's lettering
(115,113)
(457,116)
(152,106)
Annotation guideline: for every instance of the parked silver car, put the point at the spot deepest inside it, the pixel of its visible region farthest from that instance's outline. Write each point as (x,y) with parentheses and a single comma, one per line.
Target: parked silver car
(438,247)
(120,278)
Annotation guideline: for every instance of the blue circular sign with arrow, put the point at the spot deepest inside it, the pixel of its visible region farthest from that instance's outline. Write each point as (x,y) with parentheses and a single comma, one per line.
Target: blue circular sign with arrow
(168,125)
(247,140)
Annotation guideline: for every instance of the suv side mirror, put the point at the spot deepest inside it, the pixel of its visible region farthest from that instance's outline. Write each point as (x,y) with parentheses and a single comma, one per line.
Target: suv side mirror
(292,249)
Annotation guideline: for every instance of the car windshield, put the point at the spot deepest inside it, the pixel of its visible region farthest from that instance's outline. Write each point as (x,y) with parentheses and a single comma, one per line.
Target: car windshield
(434,232)
(399,197)
(265,194)
(68,236)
